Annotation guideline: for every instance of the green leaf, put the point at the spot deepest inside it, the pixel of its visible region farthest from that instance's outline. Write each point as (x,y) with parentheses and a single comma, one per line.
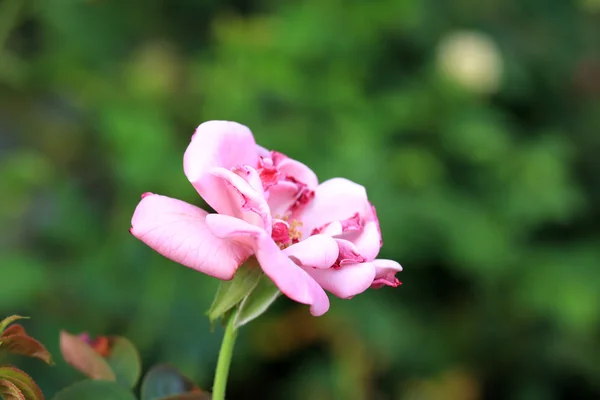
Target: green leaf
(21,381)
(95,390)
(83,358)
(257,302)
(189,396)
(124,359)
(15,340)
(163,381)
(230,293)
(9,320)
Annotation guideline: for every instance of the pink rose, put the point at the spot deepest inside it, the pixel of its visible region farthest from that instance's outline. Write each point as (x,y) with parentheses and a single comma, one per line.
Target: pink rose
(306,237)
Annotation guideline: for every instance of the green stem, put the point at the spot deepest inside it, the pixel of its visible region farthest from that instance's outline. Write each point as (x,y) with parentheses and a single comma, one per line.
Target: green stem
(224,361)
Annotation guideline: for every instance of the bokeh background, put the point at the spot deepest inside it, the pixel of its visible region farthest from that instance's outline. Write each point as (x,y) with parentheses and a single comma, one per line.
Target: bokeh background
(474,125)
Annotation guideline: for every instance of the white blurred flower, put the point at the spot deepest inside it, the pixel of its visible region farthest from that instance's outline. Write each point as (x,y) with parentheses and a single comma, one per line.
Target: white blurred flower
(471,59)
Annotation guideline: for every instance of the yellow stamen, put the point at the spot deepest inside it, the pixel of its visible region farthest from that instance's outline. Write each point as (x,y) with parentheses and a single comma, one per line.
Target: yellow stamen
(294,231)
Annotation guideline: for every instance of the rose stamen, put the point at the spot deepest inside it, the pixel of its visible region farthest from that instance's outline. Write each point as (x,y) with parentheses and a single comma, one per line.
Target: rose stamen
(286,233)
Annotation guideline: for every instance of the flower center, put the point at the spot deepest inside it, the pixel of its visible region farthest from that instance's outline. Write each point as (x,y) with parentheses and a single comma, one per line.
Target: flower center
(285,233)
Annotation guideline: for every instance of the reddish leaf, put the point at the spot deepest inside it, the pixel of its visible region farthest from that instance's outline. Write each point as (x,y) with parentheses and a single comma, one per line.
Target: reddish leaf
(9,320)
(14,329)
(10,391)
(84,358)
(22,381)
(25,345)
(101,344)
(15,340)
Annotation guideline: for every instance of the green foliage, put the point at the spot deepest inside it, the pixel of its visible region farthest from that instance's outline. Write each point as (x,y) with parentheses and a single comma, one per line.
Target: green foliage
(125,361)
(164,382)
(489,198)
(94,390)
(115,359)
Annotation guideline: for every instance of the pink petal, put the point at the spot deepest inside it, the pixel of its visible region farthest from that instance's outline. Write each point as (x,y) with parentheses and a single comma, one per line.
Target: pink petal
(332,229)
(295,169)
(319,251)
(303,198)
(218,144)
(178,231)
(250,175)
(292,280)
(261,151)
(341,200)
(227,227)
(281,197)
(368,242)
(353,223)
(335,200)
(385,275)
(244,201)
(348,253)
(373,217)
(269,175)
(346,281)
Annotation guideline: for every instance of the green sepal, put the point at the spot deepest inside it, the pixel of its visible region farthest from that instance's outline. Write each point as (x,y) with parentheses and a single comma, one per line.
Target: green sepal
(231,293)
(257,302)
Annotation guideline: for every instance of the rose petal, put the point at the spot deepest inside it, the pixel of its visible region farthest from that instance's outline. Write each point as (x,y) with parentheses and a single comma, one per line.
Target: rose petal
(339,199)
(385,273)
(319,251)
(178,231)
(291,279)
(218,144)
(268,174)
(346,281)
(295,169)
(227,227)
(250,175)
(245,202)
(348,253)
(261,151)
(332,229)
(281,197)
(335,200)
(368,241)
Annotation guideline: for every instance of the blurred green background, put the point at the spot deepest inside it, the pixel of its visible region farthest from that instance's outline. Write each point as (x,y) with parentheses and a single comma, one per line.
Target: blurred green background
(474,125)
